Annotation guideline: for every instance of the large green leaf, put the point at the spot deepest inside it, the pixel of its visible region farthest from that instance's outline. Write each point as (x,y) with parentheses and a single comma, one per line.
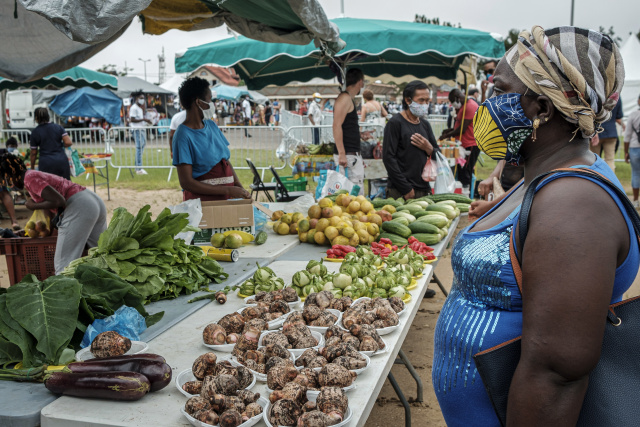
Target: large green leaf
(48,310)
(15,333)
(124,244)
(9,352)
(117,228)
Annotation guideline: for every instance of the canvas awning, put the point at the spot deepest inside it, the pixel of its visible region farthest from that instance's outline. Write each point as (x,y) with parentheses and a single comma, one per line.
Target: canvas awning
(75,77)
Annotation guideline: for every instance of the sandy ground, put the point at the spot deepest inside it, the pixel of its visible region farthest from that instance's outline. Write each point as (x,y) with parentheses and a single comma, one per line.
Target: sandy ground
(418,345)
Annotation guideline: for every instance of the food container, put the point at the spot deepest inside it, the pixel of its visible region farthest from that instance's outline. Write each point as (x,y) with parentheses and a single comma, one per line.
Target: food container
(312,397)
(258,376)
(323,329)
(298,351)
(252,421)
(187,375)
(274,324)
(357,371)
(137,347)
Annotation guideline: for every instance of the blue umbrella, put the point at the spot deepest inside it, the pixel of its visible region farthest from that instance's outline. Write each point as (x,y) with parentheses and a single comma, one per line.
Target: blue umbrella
(88,102)
(230,93)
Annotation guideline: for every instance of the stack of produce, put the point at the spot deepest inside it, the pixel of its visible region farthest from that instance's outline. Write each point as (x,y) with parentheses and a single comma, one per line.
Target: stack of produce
(405,260)
(339,342)
(286,223)
(426,219)
(326,299)
(295,334)
(112,374)
(146,254)
(351,361)
(263,280)
(229,329)
(348,221)
(314,278)
(340,251)
(292,408)
(70,304)
(266,311)
(222,396)
(286,294)
(35,229)
(312,315)
(380,314)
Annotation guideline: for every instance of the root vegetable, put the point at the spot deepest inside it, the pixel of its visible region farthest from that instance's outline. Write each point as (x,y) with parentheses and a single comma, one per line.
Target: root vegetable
(252,410)
(309,406)
(305,357)
(279,376)
(311,313)
(258,356)
(313,418)
(269,317)
(306,342)
(226,384)
(109,344)
(316,362)
(279,307)
(312,377)
(361,331)
(276,361)
(277,350)
(244,377)
(192,387)
(207,416)
(323,299)
(368,344)
(325,319)
(248,396)
(310,300)
(259,324)
(232,338)
(289,294)
(230,419)
(225,368)
(254,312)
(195,404)
(204,365)
(337,304)
(232,323)
(332,375)
(341,349)
(276,338)
(330,342)
(332,399)
(284,412)
(214,334)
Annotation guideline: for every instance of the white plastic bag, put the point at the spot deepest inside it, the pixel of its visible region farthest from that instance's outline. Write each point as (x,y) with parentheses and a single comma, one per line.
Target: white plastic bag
(194,208)
(335,181)
(445,182)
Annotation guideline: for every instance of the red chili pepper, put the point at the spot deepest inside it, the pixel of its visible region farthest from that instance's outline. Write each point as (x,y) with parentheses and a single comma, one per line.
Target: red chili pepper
(384,240)
(412,239)
(332,256)
(344,248)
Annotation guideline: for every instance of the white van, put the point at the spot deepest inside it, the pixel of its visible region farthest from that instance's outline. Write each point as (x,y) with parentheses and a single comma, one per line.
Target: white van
(20,106)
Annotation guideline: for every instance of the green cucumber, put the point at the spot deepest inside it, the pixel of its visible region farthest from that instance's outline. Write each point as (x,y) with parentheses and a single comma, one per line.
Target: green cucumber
(445,209)
(401,220)
(428,239)
(450,196)
(440,221)
(395,239)
(423,227)
(396,228)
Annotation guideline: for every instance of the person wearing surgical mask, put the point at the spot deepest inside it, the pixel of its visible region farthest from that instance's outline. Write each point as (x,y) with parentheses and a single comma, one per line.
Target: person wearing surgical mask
(463,130)
(138,122)
(408,143)
(315,116)
(200,150)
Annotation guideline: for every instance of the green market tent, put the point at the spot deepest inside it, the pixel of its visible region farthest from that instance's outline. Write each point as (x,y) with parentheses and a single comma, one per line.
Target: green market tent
(378,47)
(77,77)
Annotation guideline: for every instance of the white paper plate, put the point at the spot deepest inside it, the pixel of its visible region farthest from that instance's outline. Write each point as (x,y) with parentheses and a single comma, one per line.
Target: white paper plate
(345,421)
(357,371)
(291,305)
(380,331)
(362,299)
(257,375)
(274,324)
(377,352)
(136,348)
(225,348)
(252,421)
(187,375)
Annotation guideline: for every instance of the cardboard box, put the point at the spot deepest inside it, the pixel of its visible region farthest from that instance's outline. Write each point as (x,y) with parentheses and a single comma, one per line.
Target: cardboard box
(224,215)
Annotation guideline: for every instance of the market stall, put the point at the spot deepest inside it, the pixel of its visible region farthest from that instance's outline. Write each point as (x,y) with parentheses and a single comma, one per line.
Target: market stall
(182,343)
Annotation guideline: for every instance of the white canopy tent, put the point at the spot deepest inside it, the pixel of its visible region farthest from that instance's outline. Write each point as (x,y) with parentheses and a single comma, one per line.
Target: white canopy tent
(173,84)
(630,52)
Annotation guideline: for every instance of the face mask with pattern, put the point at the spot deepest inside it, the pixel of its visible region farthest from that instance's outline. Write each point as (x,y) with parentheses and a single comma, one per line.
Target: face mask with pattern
(500,127)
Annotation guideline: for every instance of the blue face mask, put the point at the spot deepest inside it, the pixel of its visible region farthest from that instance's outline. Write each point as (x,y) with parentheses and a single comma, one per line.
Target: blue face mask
(12,149)
(500,127)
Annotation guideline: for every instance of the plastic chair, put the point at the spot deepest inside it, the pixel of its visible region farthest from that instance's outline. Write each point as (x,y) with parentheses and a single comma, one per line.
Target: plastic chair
(282,194)
(258,185)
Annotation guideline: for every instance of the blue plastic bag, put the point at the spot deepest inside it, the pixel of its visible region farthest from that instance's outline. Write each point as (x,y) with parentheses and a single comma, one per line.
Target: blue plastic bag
(126,321)
(260,218)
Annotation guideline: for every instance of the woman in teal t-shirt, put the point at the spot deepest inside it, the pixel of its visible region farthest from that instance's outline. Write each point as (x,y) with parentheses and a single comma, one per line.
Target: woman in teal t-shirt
(200,151)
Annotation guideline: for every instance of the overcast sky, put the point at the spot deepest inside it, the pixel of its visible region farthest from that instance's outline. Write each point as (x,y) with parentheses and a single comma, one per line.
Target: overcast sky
(490,15)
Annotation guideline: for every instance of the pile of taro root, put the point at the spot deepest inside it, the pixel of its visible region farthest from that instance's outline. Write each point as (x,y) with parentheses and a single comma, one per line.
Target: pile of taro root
(290,407)
(285,294)
(222,396)
(377,312)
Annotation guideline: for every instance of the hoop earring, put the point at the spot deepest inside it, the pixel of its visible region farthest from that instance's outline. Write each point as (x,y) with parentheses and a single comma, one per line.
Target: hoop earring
(536,125)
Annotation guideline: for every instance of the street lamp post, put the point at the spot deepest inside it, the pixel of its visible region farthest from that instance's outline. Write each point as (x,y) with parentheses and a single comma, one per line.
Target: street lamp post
(144,61)
(572,7)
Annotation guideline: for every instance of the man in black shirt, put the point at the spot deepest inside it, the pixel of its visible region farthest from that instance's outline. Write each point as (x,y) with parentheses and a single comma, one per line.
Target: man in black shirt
(408,143)
(346,130)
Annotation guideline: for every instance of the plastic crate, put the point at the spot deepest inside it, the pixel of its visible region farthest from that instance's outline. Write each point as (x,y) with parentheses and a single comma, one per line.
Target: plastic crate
(292,184)
(29,256)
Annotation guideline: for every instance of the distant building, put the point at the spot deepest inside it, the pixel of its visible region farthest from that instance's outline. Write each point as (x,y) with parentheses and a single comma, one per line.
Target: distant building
(215,75)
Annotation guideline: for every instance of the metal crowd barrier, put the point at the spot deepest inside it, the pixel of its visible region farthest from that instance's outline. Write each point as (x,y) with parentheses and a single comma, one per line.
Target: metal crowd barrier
(22,135)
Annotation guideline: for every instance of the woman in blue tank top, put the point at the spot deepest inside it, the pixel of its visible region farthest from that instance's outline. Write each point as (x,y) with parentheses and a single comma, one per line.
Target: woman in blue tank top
(552,91)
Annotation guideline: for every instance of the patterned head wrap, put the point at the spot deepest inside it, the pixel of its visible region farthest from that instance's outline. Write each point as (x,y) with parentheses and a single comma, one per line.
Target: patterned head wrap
(11,168)
(580,70)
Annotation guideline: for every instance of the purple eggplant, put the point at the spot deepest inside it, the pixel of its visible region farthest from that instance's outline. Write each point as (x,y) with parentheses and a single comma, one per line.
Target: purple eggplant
(125,357)
(158,373)
(99,385)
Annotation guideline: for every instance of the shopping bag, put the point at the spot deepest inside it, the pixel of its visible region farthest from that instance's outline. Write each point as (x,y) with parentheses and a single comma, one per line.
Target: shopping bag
(74,161)
(335,181)
(193,208)
(39,225)
(429,172)
(445,182)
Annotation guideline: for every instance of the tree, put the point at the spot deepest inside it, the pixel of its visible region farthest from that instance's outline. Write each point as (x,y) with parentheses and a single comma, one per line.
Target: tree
(434,21)
(611,33)
(511,39)
(113,70)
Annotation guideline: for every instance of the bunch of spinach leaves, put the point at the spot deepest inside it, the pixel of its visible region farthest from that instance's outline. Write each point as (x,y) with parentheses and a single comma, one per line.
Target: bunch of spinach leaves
(146,254)
(44,322)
